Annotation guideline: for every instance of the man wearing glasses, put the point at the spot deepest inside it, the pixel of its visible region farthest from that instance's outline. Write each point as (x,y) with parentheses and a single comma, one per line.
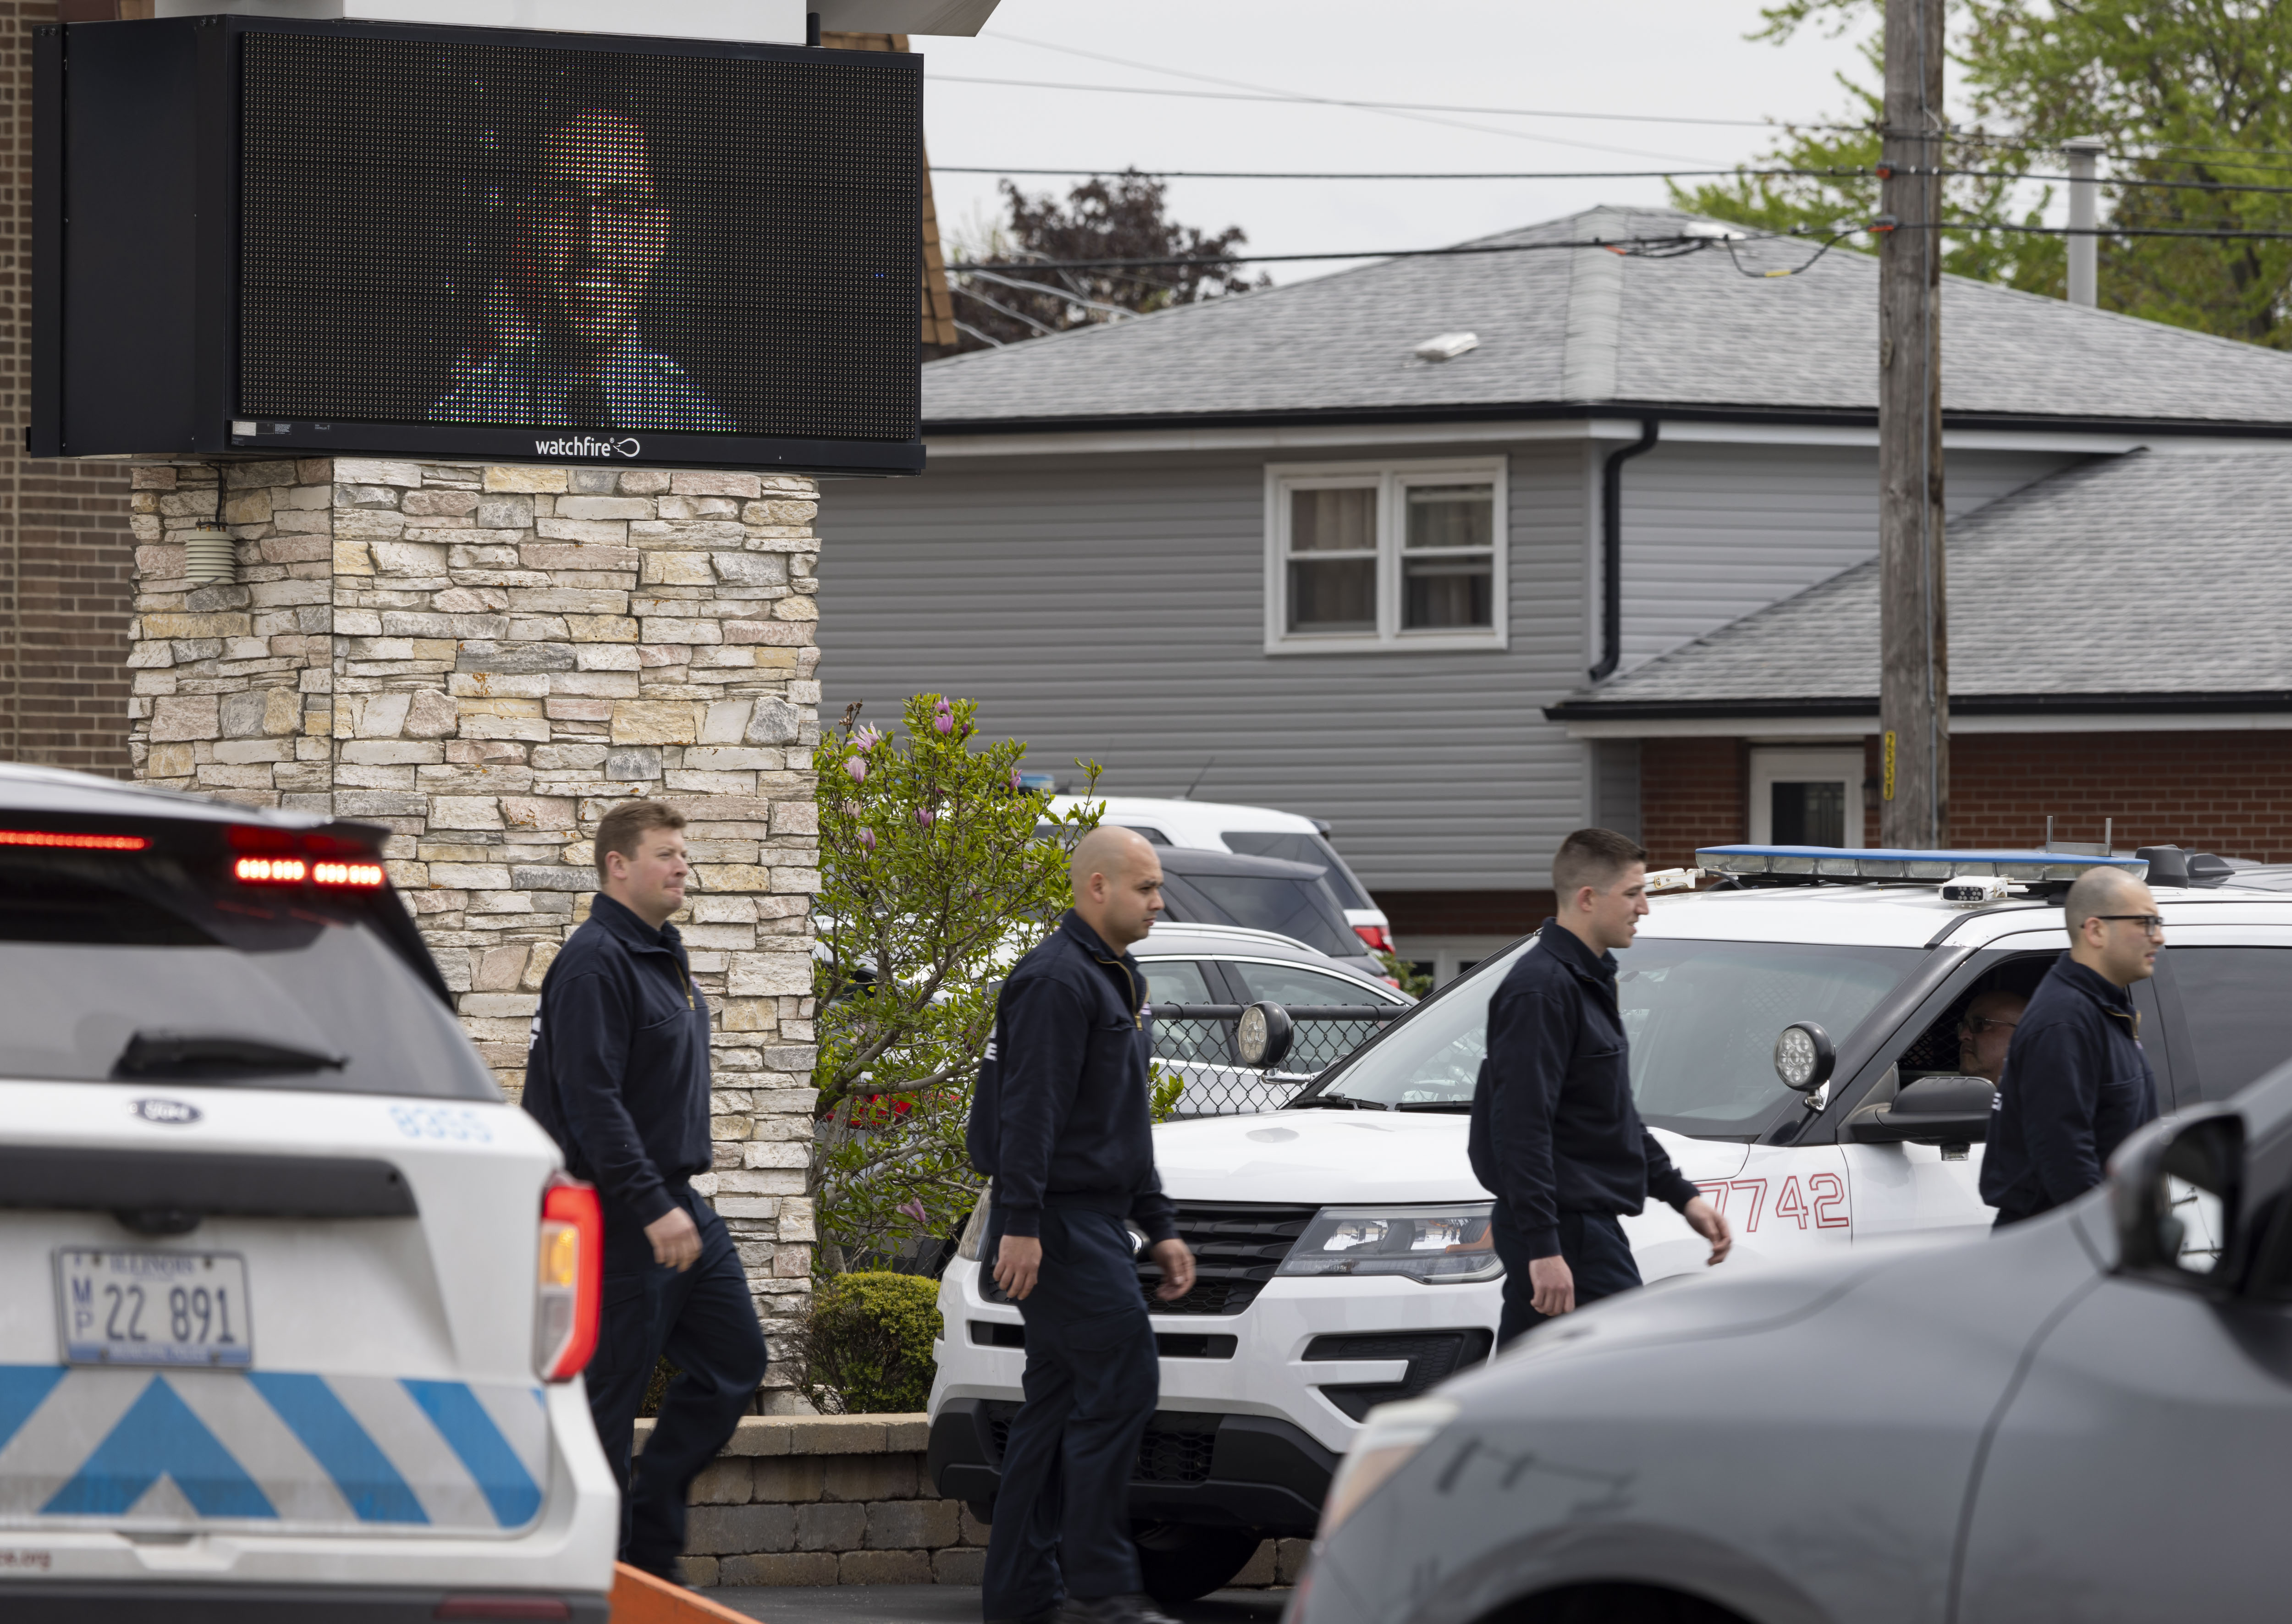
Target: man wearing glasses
(591,232)
(2076,1081)
(1985,1030)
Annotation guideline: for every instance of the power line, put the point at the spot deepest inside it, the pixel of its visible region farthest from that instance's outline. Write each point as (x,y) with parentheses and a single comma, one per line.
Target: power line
(1945,135)
(1651,248)
(1838,173)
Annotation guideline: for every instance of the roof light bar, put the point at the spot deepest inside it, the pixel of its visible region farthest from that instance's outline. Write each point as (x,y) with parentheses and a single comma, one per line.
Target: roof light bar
(1833,862)
(74,843)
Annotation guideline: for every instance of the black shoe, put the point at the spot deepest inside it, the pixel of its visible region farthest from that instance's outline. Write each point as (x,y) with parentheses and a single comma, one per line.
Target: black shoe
(1113,1610)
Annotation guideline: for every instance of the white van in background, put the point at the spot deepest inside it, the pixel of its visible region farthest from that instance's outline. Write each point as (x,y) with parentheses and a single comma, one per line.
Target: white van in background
(1251,831)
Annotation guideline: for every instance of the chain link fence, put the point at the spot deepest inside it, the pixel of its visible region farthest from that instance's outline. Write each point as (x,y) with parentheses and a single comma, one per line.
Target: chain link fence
(1197,1042)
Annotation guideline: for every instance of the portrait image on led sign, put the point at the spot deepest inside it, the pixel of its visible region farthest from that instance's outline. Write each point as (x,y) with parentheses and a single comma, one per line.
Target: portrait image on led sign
(591,231)
(507,236)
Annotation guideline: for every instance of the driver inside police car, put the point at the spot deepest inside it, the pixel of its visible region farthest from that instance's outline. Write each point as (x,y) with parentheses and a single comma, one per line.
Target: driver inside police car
(592,230)
(1555,1133)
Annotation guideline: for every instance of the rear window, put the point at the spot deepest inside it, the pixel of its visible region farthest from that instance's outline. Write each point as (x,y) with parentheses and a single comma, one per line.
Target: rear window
(1299,909)
(1293,848)
(138,969)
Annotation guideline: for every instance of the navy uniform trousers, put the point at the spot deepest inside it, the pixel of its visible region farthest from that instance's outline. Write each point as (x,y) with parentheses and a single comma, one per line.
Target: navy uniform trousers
(704,1322)
(1596,1253)
(1061,1511)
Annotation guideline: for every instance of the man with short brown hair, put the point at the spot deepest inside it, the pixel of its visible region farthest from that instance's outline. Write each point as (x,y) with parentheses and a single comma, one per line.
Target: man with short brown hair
(617,1072)
(1555,1135)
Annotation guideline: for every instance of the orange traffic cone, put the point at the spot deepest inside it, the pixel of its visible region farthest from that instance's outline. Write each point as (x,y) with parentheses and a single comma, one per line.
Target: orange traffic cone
(640,1598)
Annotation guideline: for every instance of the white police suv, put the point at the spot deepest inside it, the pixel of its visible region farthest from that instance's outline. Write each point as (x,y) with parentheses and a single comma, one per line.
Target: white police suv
(1794,1046)
(293,1305)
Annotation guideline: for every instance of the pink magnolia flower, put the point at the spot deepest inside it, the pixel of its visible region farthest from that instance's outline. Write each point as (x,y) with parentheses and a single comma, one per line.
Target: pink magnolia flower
(914,1208)
(925,816)
(865,739)
(858,769)
(943,723)
(1016,783)
(866,840)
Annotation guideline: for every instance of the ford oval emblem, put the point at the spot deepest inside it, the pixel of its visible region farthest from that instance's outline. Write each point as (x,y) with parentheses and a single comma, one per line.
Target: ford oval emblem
(174,1113)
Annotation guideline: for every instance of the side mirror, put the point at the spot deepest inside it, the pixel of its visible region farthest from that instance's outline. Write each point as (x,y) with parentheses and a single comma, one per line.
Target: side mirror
(1931,1110)
(1262,1035)
(1804,1056)
(2175,1190)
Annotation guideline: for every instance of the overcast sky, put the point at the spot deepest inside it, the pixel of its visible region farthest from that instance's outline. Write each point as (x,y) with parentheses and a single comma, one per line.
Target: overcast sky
(1674,59)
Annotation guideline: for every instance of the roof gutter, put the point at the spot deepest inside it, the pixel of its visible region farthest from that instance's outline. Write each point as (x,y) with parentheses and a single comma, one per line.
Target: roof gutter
(1611,547)
(2191,703)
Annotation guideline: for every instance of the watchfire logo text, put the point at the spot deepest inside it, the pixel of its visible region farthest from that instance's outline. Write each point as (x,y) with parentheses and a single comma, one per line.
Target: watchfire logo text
(582,445)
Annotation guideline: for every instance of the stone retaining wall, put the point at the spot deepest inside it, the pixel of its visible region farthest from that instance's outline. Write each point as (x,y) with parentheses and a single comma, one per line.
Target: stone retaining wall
(483,659)
(845,1500)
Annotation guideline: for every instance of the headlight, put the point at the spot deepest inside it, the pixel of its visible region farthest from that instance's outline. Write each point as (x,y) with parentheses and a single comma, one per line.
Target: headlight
(1437,1245)
(1389,1440)
(975,1232)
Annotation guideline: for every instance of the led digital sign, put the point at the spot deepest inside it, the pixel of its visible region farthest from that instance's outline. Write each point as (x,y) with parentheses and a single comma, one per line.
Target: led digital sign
(304,237)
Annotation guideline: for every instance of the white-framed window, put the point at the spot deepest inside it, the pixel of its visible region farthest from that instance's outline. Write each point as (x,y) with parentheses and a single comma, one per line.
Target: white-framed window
(1376,556)
(1806,797)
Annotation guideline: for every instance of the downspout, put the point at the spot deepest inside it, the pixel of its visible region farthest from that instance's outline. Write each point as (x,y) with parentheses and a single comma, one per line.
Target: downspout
(1611,548)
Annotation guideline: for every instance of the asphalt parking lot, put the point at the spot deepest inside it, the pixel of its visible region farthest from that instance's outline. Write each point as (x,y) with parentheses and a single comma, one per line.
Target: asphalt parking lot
(951,1605)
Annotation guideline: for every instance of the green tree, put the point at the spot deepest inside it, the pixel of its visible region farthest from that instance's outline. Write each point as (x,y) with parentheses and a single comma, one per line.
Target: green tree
(933,882)
(2184,90)
(1119,216)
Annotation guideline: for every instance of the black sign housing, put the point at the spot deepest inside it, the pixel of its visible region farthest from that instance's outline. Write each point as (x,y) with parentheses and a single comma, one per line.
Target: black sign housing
(255,235)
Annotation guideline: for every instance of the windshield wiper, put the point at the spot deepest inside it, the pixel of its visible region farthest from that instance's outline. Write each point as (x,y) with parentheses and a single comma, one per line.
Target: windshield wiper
(154,1053)
(1335,1102)
(1462,1106)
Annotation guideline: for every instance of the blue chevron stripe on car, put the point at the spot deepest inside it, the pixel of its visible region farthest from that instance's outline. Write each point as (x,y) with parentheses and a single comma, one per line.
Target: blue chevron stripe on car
(293,1452)
(335,1440)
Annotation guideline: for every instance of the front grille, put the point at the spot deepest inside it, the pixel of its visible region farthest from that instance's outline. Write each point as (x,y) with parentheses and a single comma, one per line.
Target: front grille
(1237,1246)
(1176,1449)
(1167,1344)
(1432,1356)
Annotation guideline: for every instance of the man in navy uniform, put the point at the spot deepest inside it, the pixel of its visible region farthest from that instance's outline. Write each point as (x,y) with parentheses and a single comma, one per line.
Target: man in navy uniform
(1062,1122)
(618,1074)
(1554,1132)
(2076,1082)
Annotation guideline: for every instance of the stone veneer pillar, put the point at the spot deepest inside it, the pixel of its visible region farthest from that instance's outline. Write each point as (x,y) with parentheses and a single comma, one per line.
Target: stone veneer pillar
(483,660)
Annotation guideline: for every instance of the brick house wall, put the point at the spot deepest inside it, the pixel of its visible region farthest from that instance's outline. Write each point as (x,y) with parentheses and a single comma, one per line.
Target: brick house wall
(2229,792)
(67,558)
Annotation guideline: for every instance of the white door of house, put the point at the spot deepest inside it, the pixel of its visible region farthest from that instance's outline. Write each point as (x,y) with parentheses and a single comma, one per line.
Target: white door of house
(1806,797)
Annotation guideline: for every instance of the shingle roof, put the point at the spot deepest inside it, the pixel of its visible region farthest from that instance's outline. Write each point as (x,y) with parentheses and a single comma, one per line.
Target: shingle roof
(1585,326)
(2154,574)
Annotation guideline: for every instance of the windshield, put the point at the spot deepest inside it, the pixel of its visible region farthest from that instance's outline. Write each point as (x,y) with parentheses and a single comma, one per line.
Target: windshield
(1701,1017)
(1293,848)
(128,969)
(1301,910)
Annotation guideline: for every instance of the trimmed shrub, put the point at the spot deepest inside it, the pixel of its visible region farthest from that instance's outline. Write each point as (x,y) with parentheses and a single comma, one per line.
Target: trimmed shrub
(867,1348)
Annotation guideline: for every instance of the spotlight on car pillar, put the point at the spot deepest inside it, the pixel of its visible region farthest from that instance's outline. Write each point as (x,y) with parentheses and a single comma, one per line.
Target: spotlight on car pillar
(1804,1056)
(1262,1035)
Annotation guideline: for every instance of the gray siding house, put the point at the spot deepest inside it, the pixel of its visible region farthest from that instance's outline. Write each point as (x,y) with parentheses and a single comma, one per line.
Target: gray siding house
(1260,548)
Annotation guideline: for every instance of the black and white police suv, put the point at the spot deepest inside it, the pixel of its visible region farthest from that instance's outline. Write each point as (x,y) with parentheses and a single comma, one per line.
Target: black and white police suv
(1795,1048)
(292,1305)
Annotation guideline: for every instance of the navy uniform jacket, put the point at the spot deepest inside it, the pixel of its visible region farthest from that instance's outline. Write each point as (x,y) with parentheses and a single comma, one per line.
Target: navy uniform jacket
(1062,1114)
(2075,1085)
(1553,1128)
(617,1072)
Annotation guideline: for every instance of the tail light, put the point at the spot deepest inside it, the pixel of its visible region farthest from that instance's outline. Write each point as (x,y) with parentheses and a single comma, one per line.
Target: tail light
(1379,937)
(286,857)
(572,1279)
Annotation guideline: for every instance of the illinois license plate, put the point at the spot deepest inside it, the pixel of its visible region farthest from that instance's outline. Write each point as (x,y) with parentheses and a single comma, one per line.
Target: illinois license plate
(123,1307)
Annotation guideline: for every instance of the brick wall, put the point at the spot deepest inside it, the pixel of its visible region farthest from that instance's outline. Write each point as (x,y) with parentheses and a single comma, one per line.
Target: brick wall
(1690,795)
(66,557)
(2224,792)
(1464,913)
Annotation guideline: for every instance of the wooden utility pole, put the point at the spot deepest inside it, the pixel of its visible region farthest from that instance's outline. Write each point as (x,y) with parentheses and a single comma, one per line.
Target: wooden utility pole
(1913,612)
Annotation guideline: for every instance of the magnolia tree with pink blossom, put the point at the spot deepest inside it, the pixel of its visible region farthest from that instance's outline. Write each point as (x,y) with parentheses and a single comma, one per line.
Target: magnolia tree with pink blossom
(937,874)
